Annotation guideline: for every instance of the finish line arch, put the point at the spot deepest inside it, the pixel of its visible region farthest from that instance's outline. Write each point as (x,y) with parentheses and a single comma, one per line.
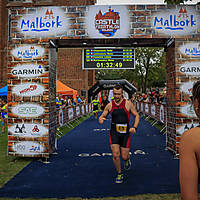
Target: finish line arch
(108,85)
(35,36)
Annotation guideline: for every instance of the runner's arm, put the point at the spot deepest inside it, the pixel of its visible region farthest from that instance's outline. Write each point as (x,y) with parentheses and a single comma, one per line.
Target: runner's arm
(137,117)
(105,113)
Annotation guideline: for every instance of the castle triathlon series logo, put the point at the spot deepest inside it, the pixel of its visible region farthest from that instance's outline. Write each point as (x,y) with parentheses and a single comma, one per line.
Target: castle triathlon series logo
(181,21)
(45,22)
(108,23)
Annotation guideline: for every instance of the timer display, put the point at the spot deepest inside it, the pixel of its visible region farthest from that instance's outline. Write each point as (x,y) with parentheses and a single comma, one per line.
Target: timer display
(109,58)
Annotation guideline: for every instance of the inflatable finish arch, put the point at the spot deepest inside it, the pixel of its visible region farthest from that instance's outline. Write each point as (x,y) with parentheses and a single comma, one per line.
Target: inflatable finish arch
(32,62)
(108,85)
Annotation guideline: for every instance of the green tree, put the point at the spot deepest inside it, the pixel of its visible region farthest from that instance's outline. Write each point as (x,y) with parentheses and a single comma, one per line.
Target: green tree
(149,70)
(176,1)
(150,67)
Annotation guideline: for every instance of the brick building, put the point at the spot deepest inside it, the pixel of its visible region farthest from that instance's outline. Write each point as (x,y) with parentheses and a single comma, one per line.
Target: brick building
(69,66)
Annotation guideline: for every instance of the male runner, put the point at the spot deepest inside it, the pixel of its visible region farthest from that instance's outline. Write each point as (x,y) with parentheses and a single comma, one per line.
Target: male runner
(96,104)
(120,136)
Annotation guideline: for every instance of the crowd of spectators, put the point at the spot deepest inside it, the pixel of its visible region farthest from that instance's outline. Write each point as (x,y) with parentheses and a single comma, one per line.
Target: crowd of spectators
(68,101)
(152,96)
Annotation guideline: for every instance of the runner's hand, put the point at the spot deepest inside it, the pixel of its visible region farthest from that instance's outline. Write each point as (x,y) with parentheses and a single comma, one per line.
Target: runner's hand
(101,120)
(132,130)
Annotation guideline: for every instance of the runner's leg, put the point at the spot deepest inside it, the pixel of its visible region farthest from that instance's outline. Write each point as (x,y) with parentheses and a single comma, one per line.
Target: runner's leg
(116,156)
(126,157)
(116,160)
(125,153)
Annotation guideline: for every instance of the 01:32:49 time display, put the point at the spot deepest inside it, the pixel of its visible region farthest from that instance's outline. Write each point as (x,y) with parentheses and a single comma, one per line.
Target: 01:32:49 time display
(109,65)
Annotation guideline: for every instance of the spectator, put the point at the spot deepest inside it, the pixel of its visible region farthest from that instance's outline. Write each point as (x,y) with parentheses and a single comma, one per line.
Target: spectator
(78,100)
(4,114)
(104,102)
(60,101)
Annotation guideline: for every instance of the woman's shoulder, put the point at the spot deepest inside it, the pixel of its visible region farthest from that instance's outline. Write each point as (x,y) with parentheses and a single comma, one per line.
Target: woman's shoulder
(193,132)
(191,137)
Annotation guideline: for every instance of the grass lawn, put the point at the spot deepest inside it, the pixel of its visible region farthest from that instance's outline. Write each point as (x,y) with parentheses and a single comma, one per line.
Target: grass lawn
(137,197)
(10,166)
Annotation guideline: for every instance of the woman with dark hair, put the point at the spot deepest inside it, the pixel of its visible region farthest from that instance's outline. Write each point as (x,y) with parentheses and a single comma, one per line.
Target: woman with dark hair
(190,154)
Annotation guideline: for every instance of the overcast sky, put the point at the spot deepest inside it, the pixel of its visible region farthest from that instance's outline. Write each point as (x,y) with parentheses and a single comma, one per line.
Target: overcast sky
(117,2)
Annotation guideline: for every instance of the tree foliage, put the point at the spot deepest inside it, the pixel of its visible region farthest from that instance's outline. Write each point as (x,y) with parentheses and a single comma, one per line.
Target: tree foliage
(150,67)
(149,70)
(176,1)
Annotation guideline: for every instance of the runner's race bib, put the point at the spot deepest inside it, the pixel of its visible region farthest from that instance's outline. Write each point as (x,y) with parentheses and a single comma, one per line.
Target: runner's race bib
(121,128)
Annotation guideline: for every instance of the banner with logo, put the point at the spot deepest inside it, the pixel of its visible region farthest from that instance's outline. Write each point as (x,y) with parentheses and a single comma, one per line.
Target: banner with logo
(108,21)
(86,108)
(70,113)
(44,22)
(26,148)
(191,49)
(153,110)
(162,114)
(183,20)
(83,110)
(28,52)
(28,110)
(78,112)
(28,71)
(60,117)
(27,130)
(146,107)
(28,89)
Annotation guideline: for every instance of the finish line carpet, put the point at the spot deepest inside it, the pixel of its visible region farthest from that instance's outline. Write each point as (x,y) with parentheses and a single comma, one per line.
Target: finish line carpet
(83,167)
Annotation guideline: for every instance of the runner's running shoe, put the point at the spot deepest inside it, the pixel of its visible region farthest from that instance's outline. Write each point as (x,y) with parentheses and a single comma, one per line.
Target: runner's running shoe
(119,178)
(127,164)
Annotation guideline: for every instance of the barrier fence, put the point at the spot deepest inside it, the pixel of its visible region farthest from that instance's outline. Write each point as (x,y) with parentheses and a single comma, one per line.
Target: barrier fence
(158,112)
(69,114)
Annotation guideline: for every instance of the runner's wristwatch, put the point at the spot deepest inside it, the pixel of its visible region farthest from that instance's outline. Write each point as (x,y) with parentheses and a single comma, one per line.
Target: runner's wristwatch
(135,128)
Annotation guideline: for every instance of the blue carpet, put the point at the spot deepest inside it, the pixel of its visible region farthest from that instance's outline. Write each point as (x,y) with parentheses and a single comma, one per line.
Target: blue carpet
(83,167)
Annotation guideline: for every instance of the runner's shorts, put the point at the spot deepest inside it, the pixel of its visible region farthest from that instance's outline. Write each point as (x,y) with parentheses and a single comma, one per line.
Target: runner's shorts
(95,108)
(123,138)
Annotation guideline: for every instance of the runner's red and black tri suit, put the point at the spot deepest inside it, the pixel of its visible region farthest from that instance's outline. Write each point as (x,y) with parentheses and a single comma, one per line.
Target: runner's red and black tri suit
(119,133)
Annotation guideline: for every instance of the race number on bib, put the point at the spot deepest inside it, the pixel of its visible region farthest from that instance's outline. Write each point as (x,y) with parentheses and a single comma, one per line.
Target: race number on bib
(121,128)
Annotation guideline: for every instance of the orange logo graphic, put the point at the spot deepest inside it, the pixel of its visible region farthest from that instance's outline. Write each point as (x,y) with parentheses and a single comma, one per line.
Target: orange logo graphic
(183,12)
(49,15)
(107,23)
